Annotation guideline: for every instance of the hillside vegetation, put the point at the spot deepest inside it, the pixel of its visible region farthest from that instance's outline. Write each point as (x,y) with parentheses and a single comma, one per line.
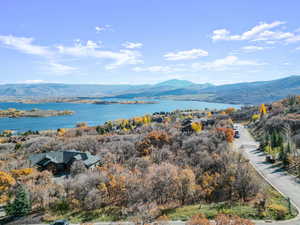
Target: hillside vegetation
(150,166)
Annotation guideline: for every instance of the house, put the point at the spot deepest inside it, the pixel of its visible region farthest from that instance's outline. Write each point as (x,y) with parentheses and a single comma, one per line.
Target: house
(61,161)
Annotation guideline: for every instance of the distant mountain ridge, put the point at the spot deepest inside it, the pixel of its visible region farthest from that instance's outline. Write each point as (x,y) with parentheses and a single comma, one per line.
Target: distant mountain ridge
(238,93)
(79,90)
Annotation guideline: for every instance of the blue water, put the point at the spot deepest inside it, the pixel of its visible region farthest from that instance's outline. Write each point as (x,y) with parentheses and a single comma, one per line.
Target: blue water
(93,114)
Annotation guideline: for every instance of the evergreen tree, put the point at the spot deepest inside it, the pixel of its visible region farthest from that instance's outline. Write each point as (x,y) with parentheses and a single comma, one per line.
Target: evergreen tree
(21,205)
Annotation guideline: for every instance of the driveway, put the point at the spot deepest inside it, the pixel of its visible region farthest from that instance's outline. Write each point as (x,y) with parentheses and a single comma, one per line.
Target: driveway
(287,185)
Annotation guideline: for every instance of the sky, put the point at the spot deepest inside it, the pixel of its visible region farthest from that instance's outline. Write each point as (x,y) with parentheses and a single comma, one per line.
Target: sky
(148,41)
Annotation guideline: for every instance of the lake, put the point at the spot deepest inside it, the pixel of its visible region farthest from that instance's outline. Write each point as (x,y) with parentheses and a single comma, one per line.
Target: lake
(93,114)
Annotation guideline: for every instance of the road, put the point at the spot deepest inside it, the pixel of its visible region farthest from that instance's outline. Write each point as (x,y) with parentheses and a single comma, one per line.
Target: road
(287,185)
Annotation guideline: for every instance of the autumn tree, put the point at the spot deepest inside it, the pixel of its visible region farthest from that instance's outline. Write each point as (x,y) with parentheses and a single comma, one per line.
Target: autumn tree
(6,181)
(199,219)
(230,110)
(154,139)
(222,219)
(262,110)
(196,126)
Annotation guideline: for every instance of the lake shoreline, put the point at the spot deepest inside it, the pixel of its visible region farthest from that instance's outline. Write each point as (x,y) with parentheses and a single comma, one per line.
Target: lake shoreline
(16,113)
(77,100)
(93,114)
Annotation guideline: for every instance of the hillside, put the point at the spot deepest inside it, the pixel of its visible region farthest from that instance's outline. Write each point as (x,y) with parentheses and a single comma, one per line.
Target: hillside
(239,93)
(80,90)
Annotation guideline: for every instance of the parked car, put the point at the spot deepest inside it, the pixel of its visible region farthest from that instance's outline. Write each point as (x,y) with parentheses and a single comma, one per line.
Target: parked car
(61,222)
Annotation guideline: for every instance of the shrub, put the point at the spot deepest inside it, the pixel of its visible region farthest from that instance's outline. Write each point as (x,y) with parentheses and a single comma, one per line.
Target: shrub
(22,172)
(60,206)
(222,219)
(278,211)
(198,219)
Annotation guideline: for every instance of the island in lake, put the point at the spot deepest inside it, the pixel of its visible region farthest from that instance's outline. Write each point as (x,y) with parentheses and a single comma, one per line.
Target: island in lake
(14,113)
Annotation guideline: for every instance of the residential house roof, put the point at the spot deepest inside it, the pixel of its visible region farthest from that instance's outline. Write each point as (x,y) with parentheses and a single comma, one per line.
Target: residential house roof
(63,157)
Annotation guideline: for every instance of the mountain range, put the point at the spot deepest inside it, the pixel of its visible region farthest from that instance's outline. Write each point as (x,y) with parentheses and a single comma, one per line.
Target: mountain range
(238,93)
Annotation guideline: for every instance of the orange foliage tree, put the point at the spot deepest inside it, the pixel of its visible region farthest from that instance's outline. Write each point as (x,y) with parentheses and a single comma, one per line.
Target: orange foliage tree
(199,219)
(229,133)
(230,110)
(222,219)
(208,184)
(154,139)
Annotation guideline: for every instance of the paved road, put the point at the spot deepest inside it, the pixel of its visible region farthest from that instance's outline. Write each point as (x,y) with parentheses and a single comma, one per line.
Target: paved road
(288,185)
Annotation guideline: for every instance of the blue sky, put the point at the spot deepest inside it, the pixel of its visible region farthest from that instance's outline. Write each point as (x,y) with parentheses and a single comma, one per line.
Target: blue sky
(148,41)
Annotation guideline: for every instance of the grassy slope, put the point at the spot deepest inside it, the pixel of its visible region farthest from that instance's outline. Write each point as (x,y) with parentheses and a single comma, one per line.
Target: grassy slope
(183,213)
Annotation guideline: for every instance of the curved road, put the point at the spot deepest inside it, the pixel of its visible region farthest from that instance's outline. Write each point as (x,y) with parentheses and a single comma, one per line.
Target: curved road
(288,185)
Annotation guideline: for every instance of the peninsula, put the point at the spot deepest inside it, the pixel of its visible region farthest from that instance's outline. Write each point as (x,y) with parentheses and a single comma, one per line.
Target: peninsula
(14,113)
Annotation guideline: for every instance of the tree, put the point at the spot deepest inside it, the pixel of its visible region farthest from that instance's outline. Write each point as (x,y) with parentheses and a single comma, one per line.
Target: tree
(255,117)
(230,110)
(197,127)
(263,109)
(21,205)
(6,181)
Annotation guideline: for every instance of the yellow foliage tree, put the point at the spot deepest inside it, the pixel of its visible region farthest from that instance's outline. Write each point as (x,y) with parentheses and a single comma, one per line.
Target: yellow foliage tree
(197,127)
(146,119)
(22,172)
(6,181)
(263,109)
(61,131)
(209,114)
(255,117)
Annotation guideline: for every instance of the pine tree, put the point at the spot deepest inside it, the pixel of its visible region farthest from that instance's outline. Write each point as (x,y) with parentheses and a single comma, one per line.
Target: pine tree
(21,205)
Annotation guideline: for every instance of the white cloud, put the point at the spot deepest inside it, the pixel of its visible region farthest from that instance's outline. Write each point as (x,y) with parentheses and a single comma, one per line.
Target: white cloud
(33,81)
(224,64)
(252,48)
(91,49)
(124,57)
(184,55)
(102,28)
(261,32)
(298,48)
(24,45)
(132,45)
(159,69)
(59,69)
